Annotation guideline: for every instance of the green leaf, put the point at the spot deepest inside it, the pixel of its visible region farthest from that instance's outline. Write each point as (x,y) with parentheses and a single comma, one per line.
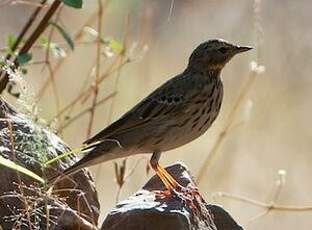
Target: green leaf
(44,41)
(112,43)
(115,45)
(65,35)
(73,3)
(57,51)
(23,58)
(24,71)
(10,164)
(11,39)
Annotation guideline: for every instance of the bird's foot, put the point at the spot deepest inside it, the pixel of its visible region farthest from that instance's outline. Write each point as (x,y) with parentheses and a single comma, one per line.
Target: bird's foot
(189,196)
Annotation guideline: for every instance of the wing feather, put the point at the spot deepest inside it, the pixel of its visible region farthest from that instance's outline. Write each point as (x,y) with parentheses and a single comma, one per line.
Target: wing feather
(162,102)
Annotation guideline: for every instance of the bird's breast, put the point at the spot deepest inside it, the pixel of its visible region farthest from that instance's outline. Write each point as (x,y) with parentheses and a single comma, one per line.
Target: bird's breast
(201,112)
(207,107)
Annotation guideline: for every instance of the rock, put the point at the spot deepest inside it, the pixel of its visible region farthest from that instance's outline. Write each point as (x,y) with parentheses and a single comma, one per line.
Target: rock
(24,201)
(142,211)
(222,218)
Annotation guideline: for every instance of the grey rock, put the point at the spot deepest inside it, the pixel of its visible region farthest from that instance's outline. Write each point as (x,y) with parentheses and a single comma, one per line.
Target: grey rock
(28,144)
(142,212)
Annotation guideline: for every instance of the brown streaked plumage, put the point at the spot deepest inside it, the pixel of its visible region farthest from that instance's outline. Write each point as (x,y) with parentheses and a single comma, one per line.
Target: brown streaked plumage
(176,113)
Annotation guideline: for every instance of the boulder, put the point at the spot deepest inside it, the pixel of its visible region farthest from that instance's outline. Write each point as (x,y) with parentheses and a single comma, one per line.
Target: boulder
(23,201)
(145,211)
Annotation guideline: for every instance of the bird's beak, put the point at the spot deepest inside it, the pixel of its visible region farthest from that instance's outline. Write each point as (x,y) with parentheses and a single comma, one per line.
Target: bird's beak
(241,49)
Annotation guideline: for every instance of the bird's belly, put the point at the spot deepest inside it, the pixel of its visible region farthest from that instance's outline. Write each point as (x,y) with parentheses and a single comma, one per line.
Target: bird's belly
(180,135)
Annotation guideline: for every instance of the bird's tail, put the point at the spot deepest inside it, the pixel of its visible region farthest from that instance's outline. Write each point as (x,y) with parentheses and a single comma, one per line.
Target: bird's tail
(75,167)
(92,153)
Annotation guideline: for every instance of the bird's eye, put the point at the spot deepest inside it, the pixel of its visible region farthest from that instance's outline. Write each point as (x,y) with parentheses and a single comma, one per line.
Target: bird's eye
(223,50)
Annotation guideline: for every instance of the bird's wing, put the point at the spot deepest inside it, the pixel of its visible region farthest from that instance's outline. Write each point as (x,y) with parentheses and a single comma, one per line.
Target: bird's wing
(167,100)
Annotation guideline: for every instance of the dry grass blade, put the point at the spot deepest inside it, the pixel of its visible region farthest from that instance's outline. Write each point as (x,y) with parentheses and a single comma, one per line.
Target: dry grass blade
(97,67)
(82,113)
(10,164)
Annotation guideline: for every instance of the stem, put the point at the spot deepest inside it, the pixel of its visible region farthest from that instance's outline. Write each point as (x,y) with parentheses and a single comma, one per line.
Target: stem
(41,27)
(97,67)
(33,37)
(26,28)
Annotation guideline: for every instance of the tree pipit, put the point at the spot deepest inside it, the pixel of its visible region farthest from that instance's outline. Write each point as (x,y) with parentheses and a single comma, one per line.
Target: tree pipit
(176,113)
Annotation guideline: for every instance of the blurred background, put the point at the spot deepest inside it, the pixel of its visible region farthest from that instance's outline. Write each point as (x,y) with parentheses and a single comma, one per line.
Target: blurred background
(255,156)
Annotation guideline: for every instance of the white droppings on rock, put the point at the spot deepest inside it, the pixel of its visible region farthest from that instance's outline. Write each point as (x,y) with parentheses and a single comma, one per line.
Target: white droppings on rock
(143,199)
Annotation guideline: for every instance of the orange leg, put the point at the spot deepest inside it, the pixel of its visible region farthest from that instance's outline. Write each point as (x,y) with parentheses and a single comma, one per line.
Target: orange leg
(163,172)
(172,186)
(163,177)
(166,178)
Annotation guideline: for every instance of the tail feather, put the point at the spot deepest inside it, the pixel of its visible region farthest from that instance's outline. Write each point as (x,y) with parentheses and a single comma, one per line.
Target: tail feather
(95,153)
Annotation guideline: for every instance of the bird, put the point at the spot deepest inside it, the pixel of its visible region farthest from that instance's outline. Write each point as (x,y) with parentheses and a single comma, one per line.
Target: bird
(176,113)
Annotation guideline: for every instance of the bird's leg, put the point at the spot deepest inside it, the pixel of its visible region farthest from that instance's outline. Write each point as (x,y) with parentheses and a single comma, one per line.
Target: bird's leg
(159,170)
(188,195)
(162,173)
(166,178)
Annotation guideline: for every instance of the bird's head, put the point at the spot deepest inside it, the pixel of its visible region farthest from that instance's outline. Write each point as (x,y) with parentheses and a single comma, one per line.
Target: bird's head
(214,54)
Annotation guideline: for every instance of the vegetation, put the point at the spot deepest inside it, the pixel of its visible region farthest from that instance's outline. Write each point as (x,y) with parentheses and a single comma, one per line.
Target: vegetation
(76,77)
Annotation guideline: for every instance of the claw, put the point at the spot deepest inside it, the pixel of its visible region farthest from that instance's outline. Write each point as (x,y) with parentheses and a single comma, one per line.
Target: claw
(160,195)
(188,195)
